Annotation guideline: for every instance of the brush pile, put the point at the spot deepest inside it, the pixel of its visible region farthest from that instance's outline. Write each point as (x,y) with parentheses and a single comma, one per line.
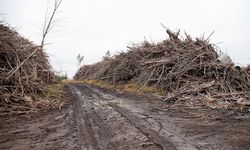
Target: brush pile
(183,69)
(21,77)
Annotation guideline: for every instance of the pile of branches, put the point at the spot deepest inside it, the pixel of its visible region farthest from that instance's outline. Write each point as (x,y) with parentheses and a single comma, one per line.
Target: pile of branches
(22,75)
(117,69)
(179,67)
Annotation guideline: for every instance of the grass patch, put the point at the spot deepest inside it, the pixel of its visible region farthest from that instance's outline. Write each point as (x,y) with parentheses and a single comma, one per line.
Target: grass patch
(53,97)
(52,91)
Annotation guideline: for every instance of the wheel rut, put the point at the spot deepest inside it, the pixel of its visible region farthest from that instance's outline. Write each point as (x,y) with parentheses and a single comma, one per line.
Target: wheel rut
(139,124)
(170,141)
(85,130)
(91,103)
(93,133)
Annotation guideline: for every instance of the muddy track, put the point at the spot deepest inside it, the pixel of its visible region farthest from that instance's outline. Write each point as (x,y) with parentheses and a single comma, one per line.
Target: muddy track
(170,129)
(134,121)
(141,124)
(96,118)
(88,101)
(85,130)
(91,126)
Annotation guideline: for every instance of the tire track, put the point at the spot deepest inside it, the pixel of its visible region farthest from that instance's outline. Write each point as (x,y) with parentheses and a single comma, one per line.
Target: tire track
(86,139)
(139,124)
(88,118)
(94,100)
(173,143)
(104,129)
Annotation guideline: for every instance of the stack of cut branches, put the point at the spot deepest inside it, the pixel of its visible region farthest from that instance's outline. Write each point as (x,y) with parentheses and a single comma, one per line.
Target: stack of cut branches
(181,68)
(22,75)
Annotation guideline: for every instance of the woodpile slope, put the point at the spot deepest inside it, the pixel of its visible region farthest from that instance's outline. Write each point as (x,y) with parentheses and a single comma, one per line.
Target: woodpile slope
(22,76)
(183,69)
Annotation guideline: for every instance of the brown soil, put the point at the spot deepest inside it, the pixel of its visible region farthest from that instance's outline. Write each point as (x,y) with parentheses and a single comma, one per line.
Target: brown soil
(104,119)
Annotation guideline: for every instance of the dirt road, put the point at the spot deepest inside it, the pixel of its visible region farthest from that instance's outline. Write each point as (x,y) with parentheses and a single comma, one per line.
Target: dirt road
(102,119)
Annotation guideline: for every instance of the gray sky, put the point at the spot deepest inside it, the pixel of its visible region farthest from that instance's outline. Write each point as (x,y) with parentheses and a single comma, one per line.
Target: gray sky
(91,27)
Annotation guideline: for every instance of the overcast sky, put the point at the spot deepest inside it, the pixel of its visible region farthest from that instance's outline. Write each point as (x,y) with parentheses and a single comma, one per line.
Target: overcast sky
(92,27)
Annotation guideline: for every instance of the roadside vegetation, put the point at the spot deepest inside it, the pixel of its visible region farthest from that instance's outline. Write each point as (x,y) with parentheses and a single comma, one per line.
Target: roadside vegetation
(129,88)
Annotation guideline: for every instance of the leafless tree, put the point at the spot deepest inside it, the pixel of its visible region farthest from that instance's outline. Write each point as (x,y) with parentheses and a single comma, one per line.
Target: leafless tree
(107,55)
(79,59)
(46,28)
(48,22)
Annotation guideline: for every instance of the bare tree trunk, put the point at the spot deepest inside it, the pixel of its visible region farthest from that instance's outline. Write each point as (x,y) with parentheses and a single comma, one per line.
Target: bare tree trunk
(47,26)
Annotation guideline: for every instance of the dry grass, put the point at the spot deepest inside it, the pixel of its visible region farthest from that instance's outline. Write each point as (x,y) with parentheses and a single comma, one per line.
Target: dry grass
(130,87)
(134,88)
(100,83)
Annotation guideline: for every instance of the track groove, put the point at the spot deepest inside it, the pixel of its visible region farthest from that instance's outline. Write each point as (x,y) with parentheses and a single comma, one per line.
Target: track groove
(85,131)
(103,128)
(139,124)
(169,142)
(88,118)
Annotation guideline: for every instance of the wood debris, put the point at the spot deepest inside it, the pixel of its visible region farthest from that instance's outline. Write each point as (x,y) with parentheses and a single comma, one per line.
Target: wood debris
(181,68)
(21,77)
